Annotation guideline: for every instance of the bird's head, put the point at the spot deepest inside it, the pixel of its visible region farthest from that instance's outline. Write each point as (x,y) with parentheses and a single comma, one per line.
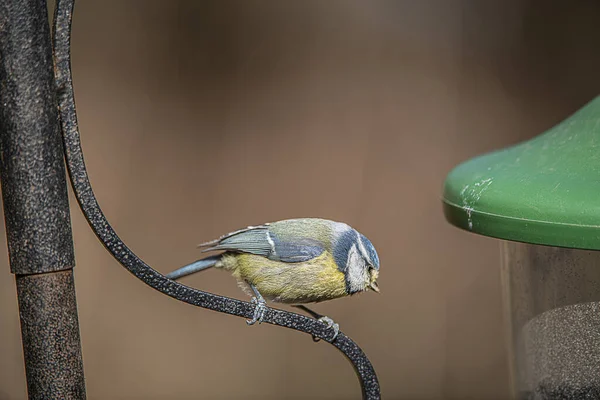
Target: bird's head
(355,255)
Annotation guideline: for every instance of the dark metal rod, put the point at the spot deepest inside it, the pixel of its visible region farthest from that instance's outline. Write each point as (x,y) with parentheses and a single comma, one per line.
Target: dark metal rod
(36,207)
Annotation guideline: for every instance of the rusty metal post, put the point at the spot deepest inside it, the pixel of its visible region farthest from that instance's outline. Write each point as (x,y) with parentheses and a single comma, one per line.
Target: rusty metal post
(36,208)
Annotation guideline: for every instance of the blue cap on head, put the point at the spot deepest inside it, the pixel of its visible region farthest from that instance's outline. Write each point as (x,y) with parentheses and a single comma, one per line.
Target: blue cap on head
(371,251)
(344,243)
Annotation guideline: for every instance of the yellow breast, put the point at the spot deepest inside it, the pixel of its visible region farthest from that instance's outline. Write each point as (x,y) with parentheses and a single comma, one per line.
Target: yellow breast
(293,283)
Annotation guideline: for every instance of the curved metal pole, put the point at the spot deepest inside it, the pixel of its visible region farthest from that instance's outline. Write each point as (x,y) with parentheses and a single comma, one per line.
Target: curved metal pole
(36,206)
(106,234)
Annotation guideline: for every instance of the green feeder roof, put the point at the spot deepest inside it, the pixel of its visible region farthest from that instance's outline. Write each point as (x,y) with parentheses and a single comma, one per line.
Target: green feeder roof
(543,191)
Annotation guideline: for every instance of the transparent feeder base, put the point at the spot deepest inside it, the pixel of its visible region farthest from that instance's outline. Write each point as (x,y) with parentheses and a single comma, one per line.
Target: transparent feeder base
(552,304)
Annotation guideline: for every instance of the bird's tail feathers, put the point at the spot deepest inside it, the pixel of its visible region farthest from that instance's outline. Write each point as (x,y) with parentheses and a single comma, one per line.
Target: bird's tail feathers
(194,267)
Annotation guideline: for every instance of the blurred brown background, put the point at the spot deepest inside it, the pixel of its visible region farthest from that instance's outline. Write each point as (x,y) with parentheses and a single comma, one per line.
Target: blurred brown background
(199,118)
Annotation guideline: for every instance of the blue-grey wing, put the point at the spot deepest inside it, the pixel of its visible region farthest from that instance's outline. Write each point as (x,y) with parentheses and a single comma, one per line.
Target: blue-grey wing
(260,241)
(253,239)
(297,251)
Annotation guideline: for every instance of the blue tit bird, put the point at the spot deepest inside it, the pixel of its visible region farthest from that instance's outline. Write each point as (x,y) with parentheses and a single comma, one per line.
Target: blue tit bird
(294,261)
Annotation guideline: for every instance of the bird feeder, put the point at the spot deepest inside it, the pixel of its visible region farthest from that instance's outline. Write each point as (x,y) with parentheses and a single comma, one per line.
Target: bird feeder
(542,198)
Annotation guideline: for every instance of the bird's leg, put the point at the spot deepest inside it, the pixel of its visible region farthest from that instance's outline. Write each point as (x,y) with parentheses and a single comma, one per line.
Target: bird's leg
(326,320)
(261,306)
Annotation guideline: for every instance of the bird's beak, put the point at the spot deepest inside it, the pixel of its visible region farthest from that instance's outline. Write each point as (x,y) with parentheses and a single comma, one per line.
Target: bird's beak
(375,287)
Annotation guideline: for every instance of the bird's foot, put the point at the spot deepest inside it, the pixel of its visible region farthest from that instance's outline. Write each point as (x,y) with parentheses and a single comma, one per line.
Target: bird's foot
(259,311)
(331,325)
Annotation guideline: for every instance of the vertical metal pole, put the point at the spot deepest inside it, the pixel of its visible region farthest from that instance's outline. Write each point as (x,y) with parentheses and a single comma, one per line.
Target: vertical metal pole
(36,208)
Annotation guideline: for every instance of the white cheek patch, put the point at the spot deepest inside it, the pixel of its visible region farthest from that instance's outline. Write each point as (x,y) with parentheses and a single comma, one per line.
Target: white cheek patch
(356,270)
